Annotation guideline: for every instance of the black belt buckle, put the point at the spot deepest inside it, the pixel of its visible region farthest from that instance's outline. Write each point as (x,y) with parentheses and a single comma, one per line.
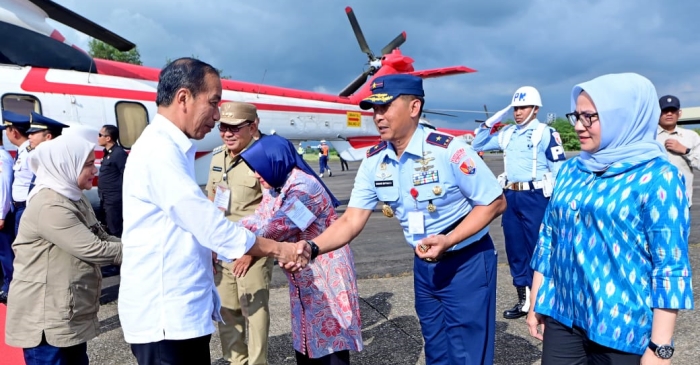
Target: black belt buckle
(19,204)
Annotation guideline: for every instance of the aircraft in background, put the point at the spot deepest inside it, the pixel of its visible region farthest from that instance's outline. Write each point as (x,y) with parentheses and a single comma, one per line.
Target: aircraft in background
(40,71)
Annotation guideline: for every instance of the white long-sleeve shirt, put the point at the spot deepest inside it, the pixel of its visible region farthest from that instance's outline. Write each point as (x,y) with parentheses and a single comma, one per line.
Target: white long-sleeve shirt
(685,163)
(170,230)
(6,174)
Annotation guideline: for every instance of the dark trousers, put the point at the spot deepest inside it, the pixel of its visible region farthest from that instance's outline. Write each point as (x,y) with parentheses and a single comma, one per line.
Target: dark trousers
(521,225)
(344,165)
(564,345)
(456,305)
(18,216)
(193,351)
(112,209)
(7,236)
(336,358)
(45,354)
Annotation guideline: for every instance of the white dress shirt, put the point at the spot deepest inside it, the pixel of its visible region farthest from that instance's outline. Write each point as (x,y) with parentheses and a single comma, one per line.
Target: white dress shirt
(685,163)
(5,182)
(170,230)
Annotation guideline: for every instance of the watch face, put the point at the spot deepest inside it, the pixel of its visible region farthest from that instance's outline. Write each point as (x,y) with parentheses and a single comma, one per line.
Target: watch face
(664,352)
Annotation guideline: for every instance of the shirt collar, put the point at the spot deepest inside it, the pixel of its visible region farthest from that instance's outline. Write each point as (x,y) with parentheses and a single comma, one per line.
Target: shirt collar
(167,126)
(675,131)
(530,126)
(415,145)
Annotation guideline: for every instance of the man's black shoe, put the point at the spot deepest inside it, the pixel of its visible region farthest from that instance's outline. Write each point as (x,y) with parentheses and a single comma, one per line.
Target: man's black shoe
(3,297)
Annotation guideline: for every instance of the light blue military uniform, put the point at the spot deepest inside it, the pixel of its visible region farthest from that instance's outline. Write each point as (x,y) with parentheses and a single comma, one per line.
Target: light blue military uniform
(21,171)
(524,193)
(455,295)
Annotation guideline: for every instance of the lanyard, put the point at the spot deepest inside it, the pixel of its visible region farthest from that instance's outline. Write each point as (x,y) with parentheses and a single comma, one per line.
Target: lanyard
(232,166)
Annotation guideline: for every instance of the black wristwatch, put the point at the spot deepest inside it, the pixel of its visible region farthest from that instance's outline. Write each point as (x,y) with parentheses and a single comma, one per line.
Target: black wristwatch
(314,249)
(662,352)
(687,151)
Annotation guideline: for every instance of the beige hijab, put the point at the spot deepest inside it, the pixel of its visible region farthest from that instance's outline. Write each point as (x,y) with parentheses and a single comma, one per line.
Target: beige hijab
(57,164)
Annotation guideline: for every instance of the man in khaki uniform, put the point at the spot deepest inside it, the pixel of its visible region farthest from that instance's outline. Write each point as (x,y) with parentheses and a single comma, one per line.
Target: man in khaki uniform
(243,284)
(682,145)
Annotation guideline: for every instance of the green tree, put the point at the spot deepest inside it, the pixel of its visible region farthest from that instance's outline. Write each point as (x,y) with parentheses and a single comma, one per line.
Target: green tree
(568,135)
(221,72)
(99,49)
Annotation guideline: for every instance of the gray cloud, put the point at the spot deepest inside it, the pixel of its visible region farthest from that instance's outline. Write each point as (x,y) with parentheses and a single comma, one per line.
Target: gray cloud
(310,45)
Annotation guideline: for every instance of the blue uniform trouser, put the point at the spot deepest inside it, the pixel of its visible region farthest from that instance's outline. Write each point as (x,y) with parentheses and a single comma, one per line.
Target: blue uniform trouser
(456,305)
(521,226)
(7,236)
(323,163)
(18,215)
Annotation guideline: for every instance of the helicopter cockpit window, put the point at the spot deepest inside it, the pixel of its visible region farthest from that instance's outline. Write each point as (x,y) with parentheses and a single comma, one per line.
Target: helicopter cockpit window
(132,119)
(21,104)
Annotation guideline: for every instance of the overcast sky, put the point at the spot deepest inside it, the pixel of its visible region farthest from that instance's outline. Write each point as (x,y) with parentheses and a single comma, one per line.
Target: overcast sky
(309,44)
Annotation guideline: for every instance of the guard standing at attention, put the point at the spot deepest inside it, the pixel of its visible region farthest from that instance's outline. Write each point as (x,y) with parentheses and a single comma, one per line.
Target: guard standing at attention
(243,284)
(7,227)
(444,196)
(532,156)
(111,177)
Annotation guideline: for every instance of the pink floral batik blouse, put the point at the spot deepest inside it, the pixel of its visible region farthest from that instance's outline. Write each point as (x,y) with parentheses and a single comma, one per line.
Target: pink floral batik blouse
(324,299)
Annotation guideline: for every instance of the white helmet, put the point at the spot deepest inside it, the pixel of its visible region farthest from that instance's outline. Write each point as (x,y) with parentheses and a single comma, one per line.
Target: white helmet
(526,96)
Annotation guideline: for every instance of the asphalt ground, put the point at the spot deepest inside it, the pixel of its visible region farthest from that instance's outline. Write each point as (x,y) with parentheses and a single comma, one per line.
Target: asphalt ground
(391,331)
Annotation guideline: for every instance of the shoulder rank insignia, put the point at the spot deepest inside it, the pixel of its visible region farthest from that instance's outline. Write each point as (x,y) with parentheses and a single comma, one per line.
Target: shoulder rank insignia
(438,139)
(218,149)
(376,148)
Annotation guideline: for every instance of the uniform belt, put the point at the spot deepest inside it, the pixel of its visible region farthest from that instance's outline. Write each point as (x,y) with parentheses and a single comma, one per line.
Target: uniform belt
(19,204)
(525,185)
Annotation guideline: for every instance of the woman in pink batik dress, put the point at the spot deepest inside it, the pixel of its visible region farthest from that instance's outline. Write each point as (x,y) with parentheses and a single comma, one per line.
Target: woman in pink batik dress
(297,205)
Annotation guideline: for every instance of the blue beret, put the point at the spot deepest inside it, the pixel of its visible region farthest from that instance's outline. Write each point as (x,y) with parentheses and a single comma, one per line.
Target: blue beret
(387,88)
(13,119)
(39,123)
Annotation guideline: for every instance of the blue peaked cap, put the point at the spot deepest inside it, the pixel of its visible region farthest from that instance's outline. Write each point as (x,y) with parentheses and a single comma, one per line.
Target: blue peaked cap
(14,119)
(387,88)
(39,123)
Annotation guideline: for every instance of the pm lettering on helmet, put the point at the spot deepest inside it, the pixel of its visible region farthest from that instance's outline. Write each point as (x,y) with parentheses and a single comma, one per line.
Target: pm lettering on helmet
(519,96)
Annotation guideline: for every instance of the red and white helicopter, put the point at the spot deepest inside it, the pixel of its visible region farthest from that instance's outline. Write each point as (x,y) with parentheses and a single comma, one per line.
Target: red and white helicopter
(41,72)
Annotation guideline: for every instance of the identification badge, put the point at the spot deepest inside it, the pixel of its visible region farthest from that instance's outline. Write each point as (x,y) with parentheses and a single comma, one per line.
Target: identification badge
(300,215)
(416,223)
(222,197)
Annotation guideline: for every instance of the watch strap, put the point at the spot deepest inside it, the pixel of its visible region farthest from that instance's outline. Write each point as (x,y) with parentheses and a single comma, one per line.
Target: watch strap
(314,249)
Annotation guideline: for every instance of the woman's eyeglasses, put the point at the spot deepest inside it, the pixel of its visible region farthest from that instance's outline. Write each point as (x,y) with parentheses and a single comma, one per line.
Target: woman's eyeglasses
(231,128)
(585,118)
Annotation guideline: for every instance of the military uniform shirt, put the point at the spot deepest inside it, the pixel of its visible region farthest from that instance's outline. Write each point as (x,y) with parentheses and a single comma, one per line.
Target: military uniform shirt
(246,192)
(112,172)
(444,170)
(683,162)
(5,182)
(23,174)
(518,153)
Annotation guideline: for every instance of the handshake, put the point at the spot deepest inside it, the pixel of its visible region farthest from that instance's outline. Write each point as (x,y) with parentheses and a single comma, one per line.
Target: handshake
(295,256)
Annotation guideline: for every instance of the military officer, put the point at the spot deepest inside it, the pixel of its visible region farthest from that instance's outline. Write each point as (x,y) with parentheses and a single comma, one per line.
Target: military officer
(533,154)
(11,123)
(243,285)
(444,196)
(16,127)
(41,129)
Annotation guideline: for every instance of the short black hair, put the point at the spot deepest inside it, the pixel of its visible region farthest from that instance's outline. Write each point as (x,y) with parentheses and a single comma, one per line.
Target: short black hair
(112,131)
(186,72)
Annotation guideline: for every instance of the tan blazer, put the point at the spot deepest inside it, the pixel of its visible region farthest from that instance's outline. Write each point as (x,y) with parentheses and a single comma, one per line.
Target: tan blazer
(57,280)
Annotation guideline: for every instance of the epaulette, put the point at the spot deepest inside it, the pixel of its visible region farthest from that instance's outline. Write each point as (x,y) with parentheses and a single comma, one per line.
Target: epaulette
(218,149)
(438,139)
(376,148)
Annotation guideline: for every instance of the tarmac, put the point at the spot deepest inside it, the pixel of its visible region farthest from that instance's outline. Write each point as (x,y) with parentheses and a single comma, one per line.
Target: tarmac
(391,331)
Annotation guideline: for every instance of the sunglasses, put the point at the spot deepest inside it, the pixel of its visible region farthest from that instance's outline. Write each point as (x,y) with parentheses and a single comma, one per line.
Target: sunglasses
(233,129)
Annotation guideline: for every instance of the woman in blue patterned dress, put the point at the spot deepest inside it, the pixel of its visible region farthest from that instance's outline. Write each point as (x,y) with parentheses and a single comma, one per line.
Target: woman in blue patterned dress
(611,265)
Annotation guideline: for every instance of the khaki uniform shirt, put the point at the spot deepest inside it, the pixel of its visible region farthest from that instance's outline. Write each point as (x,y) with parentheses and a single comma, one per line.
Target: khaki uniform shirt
(684,163)
(57,280)
(246,192)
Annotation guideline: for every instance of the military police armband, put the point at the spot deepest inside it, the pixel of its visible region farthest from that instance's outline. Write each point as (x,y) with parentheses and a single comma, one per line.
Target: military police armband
(438,139)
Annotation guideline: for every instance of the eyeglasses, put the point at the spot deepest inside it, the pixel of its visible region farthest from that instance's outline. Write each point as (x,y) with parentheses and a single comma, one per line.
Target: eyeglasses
(100,135)
(233,129)
(585,118)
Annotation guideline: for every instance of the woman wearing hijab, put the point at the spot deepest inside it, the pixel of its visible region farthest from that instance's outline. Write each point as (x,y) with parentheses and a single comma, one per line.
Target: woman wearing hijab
(54,297)
(296,205)
(611,265)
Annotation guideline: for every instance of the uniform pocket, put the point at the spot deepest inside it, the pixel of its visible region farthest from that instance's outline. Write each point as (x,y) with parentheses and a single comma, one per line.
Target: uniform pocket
(83,300)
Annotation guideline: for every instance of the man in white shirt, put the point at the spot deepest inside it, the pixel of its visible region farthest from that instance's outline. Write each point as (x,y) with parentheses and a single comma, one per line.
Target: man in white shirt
(167,296)
(681,144)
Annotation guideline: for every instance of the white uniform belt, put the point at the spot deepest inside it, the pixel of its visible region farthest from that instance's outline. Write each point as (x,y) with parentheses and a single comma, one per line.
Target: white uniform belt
(525,185)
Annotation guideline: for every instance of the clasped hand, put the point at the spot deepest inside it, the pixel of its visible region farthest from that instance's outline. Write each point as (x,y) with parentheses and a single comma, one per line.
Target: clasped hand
(294,256)
(432,247)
